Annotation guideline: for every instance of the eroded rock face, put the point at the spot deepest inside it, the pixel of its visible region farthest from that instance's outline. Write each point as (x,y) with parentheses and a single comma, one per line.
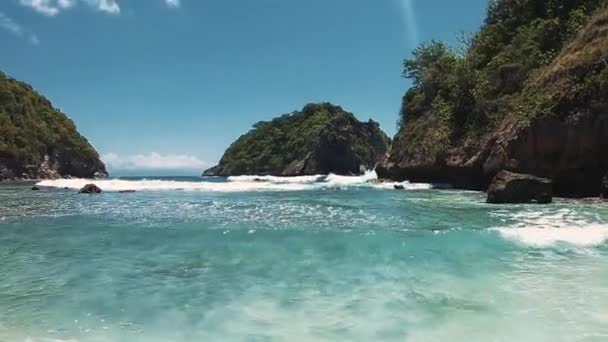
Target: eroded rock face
(90,189)
(510,187)
(561,135)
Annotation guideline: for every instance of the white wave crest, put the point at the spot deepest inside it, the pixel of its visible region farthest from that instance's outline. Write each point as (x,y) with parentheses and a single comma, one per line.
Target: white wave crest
(278,180)
(540,229)
(236,184)
(588,236)
(159,185)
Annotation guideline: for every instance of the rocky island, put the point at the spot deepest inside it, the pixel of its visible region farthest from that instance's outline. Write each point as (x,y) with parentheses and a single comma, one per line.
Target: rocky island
(319,139)
(528,94)
(38,141)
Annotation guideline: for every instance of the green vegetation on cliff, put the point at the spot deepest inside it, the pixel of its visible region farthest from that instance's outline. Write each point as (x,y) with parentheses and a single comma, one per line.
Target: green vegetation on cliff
(30,129)
(527,93)
(316,139)
(501,73)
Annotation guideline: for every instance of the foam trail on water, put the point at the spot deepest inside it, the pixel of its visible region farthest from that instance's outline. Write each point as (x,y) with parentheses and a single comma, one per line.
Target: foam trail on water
(236,184)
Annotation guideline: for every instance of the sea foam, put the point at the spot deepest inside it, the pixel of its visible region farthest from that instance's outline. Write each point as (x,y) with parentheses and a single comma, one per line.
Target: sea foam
(542,229)
(237,183)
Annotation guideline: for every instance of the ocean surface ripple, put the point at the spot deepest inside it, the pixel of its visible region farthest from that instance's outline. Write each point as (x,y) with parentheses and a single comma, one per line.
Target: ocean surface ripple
(316,258)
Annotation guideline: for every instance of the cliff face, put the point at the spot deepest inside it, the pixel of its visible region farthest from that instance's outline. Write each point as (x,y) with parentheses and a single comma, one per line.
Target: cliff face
(320,139)
(38,141)
(542,111)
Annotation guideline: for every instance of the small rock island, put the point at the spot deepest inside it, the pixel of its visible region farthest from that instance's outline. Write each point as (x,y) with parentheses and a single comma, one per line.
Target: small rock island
(319,139)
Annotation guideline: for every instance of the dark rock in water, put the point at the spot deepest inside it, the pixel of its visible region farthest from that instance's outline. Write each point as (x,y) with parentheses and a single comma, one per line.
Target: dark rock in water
(510,187)
(604,188)
(398,187)
(35,188)
(126,191)
(319,139)
(90,189)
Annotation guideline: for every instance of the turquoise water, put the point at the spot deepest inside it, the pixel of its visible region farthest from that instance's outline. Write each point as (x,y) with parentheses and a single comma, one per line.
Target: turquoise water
(305,259)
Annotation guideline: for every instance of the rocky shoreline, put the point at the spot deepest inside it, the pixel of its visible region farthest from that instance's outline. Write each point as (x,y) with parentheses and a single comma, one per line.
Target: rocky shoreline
(469,117)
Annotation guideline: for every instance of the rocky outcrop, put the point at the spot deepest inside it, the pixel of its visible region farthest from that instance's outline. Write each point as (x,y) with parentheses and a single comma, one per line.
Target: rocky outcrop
(319,139)
(604,188)
(510,187)
(555,127)
(90,189)
(37,141)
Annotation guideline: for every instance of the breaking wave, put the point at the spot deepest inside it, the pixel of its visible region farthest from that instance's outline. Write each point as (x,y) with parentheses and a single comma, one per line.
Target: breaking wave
(238,183)
(540,229)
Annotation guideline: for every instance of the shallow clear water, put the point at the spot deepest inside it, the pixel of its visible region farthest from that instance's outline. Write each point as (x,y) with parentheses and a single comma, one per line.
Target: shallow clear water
(298,260)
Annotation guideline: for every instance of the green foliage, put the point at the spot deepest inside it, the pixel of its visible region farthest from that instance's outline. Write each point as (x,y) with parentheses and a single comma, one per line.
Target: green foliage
(30,127)
(470,93)
(273,145)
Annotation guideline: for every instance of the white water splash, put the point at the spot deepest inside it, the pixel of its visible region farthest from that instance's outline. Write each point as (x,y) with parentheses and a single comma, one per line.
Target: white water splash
(541,229)
(588,236)
(238,183)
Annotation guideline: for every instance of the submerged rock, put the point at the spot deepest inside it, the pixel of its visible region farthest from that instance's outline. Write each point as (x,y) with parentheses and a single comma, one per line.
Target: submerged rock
(90,189)
(126,191)
(319,139)
(35,188)
(510,187)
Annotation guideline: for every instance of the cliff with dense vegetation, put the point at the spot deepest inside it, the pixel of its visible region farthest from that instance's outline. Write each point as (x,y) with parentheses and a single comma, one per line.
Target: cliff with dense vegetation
(38,141)
(319,139)
(528,93)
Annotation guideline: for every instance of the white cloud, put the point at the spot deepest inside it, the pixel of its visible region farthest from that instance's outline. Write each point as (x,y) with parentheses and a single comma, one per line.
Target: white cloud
(411,22)
(108,6)
(66,3)
(52,8)
(153,161)
(46,7)
(173,3)
(17,30)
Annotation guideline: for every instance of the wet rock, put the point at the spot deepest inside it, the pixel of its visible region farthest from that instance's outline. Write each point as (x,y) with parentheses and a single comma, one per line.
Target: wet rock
(90,189)
(604,188)
(510,187)
(35,188)
(399,187)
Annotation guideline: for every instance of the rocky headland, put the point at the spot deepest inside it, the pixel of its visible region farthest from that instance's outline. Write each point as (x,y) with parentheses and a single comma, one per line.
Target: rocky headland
(38,141)
(319,139)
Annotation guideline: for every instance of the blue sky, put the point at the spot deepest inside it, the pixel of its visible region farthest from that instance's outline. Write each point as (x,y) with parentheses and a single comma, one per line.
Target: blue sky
(169,84)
